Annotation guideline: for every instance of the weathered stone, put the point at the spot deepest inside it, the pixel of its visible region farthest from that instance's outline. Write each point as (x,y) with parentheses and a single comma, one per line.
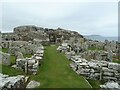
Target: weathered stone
(12,82)
(33,84)
(111,86)
(19,55)
(5,58)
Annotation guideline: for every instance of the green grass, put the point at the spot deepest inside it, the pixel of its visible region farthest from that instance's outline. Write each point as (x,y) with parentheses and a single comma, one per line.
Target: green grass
(12,59)
(8,70)
(94,83)
(5,50)
(27,55)
(116,61)
(93,48)
(55,72)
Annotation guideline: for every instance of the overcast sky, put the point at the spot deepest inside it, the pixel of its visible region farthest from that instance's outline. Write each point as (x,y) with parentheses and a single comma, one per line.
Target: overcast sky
(99,18)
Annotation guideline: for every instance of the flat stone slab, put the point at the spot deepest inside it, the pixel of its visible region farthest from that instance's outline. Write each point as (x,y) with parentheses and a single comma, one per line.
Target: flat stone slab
(33,84)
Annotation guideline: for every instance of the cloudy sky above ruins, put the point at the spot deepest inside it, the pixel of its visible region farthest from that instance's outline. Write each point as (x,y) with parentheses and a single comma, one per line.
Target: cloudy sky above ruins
(99,18)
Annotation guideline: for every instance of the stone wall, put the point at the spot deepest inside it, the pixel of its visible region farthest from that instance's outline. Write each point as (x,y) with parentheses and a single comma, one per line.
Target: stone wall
(98,70)
(9,44)
(80,49)
(13,82)
(5,58)
(21,46)
(31,65)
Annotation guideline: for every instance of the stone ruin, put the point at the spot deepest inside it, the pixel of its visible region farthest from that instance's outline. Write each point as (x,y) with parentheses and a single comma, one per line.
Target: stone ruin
(97,55)
(28,40)
(7,82)
(89,54)
(31,32)
(16,82)
(98,70)
(63,48)
(30,65)
(4,58)
(93,64)
(18,48)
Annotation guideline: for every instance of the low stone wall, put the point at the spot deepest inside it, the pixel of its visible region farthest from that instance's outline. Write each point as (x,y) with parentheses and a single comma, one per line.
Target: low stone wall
(87,54)
(98,70)
(21,46)
(8,44)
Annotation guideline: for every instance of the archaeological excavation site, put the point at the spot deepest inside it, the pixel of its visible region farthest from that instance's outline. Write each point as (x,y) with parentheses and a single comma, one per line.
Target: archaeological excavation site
(37,57)
(59,44)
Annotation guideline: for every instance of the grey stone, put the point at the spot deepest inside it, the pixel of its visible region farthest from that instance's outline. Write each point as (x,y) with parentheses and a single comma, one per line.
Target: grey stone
(33,84)
(5,58)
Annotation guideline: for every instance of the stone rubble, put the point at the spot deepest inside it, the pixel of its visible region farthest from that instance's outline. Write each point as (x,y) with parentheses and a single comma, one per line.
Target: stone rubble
(110,86)
(16,82)
(7,82)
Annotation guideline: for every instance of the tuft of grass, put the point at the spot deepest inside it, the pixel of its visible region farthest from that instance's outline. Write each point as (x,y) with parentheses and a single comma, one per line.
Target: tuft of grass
(5,50)
(27,55)
(94,48)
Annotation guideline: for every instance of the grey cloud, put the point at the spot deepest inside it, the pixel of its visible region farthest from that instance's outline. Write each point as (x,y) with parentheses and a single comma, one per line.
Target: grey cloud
(86,18)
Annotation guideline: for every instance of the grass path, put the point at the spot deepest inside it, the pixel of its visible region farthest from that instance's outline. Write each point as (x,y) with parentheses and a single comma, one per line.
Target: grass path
(55,72)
